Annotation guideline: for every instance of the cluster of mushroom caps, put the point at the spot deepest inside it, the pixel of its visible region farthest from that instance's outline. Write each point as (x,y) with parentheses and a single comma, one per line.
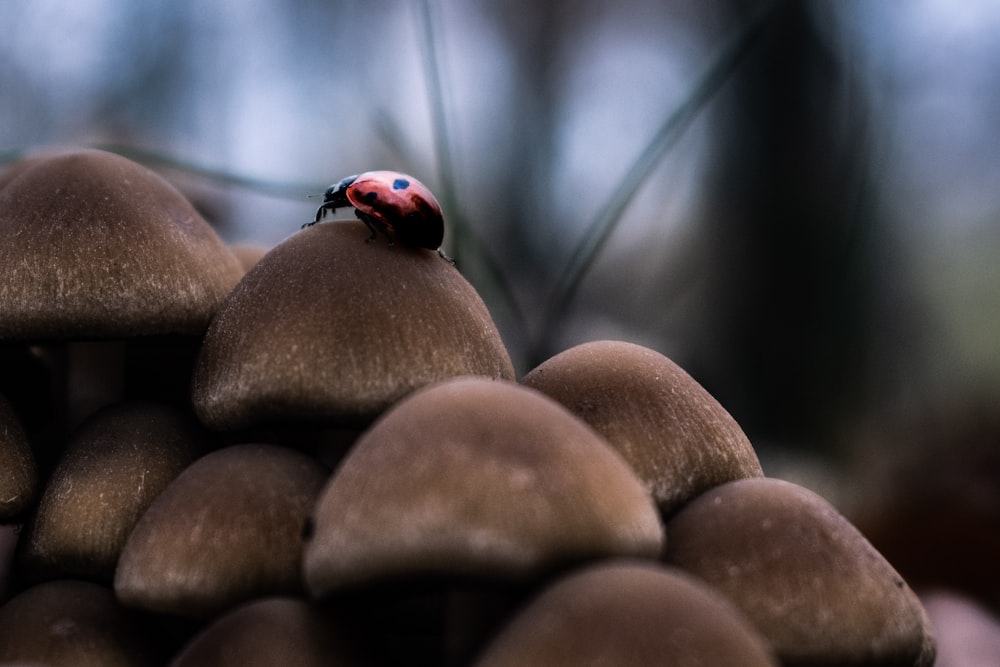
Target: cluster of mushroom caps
(326,459)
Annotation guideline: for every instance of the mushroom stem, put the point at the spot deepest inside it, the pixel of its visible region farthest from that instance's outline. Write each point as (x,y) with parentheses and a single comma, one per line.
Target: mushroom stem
(9,534)
(474,612)
(94,377)
(84,376)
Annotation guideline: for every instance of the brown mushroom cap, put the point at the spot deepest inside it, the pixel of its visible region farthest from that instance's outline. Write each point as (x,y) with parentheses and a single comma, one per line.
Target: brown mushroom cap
(329,327)
(13,169)
(678,438)
(269,632)
(116,463)
(18,474)
(628,614)
(227,529)
(97,246)
(473,477)
(811,583)
(69,623)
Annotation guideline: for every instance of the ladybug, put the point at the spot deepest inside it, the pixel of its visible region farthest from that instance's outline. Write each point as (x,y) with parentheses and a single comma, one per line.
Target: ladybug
(390,202)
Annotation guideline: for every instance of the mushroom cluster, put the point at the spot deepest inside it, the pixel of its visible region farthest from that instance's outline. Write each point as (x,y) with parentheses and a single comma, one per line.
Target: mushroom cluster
(323,456)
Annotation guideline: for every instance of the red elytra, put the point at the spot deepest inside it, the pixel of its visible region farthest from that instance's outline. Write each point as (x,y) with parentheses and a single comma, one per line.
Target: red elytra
(390,202)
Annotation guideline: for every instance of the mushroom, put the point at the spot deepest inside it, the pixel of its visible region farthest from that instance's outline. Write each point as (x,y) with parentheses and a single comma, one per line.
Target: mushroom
(465,494)
(94,246)
(271,631)
(69,623)
(675,435)
(476,478)
(626,614)
(329,328)
(227,529)
(18,474)
(97,246)
(813,586)
(116,463)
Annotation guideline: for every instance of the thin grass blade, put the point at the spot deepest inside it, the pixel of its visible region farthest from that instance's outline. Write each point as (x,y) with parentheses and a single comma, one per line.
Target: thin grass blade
(666,137)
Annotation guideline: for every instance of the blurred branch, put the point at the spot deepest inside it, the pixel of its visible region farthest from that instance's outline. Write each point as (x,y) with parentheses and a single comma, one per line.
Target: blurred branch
(6,157)
(264,186)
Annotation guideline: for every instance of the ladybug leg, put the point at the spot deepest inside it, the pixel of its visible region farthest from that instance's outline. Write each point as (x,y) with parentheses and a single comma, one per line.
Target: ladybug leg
(375,225)
(321,211)
(445,257)
(335,197)
(320,214)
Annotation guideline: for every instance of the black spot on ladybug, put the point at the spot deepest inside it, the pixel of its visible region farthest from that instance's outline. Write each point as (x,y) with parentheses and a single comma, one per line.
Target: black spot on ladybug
(400,184)
(370,197)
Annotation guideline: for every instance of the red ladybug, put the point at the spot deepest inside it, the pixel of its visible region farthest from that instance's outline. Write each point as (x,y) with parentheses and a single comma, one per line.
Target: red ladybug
(392,203)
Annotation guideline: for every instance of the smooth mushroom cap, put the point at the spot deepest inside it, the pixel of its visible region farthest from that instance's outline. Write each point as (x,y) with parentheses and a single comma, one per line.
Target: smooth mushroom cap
(480,478)
(18,473)
(628,614)
(804,576)
(268,632)
(328,327)
(69,623)
(97,246)
(116,463)
(227,529)
(675,435)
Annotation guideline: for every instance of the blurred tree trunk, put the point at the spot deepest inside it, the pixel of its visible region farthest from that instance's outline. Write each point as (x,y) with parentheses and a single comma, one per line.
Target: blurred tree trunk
(791,230)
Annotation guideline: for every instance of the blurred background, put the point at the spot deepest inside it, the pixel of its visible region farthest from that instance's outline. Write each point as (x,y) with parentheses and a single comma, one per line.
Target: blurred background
(815,241)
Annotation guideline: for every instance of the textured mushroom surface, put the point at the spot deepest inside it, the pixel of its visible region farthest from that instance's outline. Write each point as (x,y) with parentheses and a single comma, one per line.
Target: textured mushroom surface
(480,478)
(227,529)
(328,327)
(117,462)
(68,623)
(18,473)
(628,614)
(95,245)
(675,435)
(811,583)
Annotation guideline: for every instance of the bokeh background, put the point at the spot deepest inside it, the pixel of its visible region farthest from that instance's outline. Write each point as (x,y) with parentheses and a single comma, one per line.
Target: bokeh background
(818,247)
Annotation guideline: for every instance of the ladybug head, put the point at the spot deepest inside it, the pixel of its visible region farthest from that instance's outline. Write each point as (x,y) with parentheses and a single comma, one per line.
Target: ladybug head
(345,183)
(336,194)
